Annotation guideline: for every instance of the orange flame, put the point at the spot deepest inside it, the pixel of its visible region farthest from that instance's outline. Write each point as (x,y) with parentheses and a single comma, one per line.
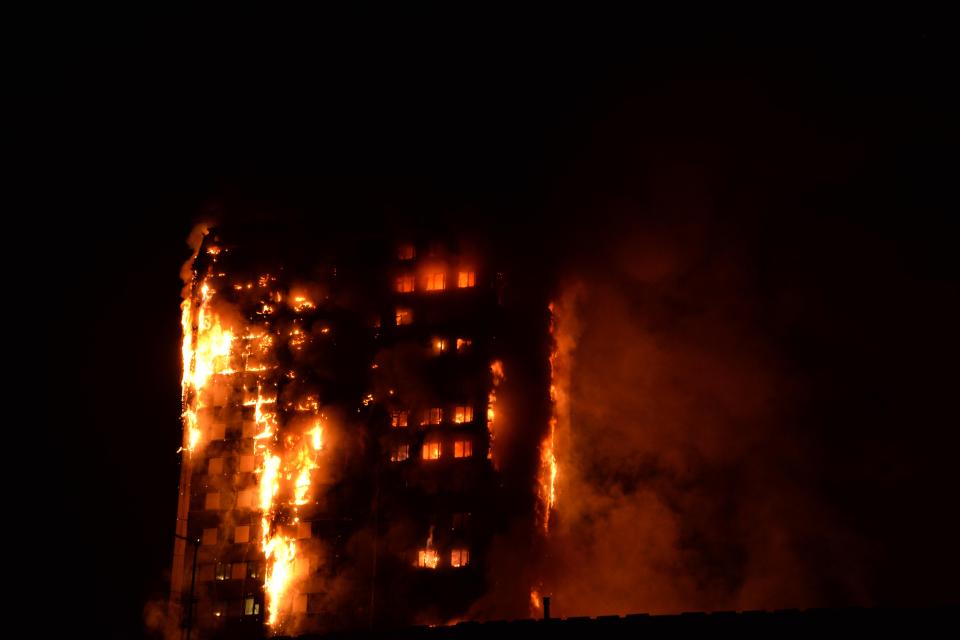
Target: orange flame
(496,372)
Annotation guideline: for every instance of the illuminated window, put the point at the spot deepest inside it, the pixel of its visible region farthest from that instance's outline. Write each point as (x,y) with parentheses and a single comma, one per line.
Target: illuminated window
(427,558)
(304,530)
(247,463)
(253,570)
(433,415)
(215,466)
(247,498)
(404,316)
(399,453)
(436,281)
(431,451)
(406,252)
(399,418)
(250,606)
(209,537)
(439,345)
(462,449)
(238,571)
(241,534)
(463,414)
(463,344)
(404,284)
(224,570)
(459,557)
(212,503)
(465,279)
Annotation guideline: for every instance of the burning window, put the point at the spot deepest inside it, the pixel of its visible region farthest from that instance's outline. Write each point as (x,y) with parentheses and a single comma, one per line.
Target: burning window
(439,345)
(463,414)
(215,466)
(250,606)
(399,453)
(404,316)
(241,534)
(406,252)
(462,449)
(209,537)
(431,450)
(459,557)
(427,558)
(466,279)
(212,503)
(247,463)
(399,418)
(224,570)
(433,415)
(436,281)
(463,344)
(404,284)
(253,570)
(304,530)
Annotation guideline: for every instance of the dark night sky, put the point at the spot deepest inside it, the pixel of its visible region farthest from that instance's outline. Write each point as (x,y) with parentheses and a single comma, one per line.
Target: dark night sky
(831,166)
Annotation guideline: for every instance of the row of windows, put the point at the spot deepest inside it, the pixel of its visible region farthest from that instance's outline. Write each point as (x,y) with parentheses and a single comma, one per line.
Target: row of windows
(436,281)
(442,345)
(245,463)
(460,414)
(430,559)
(241,533)
(431,450)
(237,570)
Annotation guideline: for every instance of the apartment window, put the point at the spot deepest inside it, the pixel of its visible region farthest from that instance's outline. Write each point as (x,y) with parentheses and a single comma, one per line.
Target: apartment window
(463,344)
(466,279)
(399,418)
(463,414)
(436,281)
(459,557)
(431,450)
(406,252)
(304,530)
(250,606)
(404,316)
(247,498)
(460,521)
(224,570)
(439,345)
(238,571)
(241,534)
(247,463)
(462,449)
(212,503)
(404,284)
(254,570)
(428,558)
(209,537)
(300,603)
(433,415)
(399,453)
(215,466)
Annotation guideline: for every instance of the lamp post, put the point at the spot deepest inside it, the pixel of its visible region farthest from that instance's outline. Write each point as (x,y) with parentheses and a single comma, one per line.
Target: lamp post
(193,579)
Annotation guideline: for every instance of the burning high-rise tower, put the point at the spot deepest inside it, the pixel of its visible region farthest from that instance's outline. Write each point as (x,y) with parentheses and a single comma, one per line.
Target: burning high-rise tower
(340,453)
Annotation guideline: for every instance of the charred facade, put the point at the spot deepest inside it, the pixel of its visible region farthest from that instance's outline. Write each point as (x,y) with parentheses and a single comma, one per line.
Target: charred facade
(340,462)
